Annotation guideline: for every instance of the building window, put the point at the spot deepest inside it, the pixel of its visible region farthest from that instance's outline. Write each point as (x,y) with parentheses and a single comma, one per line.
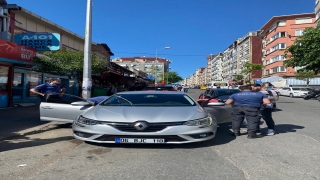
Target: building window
(282,45)
(277,58)
(303,20)
(247,51)
(282,69)
(299,32)
(4,73)
(277,35)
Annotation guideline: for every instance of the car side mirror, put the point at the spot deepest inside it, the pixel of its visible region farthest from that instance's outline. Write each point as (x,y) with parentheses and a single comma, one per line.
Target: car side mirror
(81,103)
(216,104)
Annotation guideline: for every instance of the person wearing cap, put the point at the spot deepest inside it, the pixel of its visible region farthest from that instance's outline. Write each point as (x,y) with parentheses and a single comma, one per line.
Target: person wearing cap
(51,87)
(266,109)
(247,104)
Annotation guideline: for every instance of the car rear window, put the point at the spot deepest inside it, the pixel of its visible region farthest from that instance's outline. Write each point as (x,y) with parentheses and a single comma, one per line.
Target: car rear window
(160,88)
(149,100)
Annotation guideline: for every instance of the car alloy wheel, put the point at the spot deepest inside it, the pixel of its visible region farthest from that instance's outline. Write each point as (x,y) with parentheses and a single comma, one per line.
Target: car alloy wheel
(291,95)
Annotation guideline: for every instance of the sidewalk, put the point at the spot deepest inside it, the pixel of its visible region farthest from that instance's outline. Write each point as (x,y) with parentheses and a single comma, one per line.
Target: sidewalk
(16,121)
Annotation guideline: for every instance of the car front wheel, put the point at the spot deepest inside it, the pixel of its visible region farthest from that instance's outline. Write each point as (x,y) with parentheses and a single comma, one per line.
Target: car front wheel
(291,95)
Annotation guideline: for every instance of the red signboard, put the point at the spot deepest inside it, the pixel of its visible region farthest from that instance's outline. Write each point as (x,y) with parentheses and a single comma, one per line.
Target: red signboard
(14,51)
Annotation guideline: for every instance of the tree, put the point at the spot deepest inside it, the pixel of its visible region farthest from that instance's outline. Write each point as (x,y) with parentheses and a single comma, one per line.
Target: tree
(305,76)
(238,78)
(249,68)
(171,77)
(305,51)
(67,63)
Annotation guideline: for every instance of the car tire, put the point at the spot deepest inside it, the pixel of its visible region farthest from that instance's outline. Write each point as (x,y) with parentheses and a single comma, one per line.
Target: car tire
(291,95)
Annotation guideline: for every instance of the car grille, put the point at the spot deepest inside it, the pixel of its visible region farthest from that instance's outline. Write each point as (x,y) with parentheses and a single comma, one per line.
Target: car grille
(171,138)
(152,127)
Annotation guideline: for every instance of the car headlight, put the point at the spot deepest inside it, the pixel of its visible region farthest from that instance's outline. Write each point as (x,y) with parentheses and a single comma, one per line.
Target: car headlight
(204,122)
(86,121)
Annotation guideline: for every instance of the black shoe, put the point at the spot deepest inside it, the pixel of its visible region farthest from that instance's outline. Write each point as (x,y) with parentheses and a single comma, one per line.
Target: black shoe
(254,135)
(258,131)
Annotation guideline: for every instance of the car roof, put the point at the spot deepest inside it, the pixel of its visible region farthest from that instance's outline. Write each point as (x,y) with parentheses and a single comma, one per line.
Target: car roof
(151,92)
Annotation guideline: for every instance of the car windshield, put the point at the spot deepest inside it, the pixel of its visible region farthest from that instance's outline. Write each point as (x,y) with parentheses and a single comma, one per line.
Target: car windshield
(299,89)
(149,100)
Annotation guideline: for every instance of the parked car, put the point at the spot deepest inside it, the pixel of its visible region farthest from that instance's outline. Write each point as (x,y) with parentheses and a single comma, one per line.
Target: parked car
(139,117)
(203,87)
(293,91)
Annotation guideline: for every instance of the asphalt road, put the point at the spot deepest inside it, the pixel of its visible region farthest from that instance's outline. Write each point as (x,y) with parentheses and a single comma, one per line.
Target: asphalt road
(293,153)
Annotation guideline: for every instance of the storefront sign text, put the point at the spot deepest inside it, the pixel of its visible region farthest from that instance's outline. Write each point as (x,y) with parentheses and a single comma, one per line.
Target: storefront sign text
(40,42)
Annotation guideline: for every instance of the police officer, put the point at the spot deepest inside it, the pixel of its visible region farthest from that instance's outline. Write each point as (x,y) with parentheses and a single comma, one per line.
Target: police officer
(247,104)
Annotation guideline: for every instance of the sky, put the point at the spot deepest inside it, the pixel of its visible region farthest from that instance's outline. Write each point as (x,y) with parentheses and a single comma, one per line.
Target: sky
(193,29)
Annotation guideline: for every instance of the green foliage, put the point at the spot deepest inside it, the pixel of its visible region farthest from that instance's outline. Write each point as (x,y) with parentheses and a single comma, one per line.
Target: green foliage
(66,63)
(305,75)
(249,68)
(171,77)
(305,51)
(238,77)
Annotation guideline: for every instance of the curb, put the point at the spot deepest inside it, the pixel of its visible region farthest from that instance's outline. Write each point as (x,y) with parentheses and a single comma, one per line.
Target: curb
(33,130)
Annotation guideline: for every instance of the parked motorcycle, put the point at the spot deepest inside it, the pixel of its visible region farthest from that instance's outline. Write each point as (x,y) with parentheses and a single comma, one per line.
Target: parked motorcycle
(313,94)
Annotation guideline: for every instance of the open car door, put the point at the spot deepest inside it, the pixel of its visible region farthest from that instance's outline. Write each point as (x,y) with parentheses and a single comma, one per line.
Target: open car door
(63,107)
(219,110)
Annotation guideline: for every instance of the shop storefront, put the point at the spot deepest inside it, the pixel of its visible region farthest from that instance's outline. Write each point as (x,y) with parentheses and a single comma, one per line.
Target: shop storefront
(11,56)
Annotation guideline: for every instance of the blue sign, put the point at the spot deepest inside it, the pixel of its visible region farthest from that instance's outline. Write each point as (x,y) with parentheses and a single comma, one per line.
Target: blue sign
(149,77)
(40,42)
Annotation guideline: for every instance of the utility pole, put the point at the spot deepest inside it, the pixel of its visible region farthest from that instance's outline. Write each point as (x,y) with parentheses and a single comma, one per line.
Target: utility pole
(87,81)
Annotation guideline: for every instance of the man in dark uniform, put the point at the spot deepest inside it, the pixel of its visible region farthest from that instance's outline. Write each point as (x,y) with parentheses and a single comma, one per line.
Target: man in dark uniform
(247,104)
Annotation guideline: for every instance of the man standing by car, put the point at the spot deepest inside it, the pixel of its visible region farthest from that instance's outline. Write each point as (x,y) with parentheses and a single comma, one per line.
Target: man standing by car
(247,104)
(51,87)
(266,109)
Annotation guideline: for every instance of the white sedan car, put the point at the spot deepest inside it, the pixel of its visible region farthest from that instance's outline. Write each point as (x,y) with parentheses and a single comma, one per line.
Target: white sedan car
(293,91)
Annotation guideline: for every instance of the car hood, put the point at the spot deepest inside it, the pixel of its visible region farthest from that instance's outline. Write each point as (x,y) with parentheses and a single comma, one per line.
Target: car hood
(150,114)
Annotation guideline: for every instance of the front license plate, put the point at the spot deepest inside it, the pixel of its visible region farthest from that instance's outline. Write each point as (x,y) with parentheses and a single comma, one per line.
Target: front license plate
(139,140)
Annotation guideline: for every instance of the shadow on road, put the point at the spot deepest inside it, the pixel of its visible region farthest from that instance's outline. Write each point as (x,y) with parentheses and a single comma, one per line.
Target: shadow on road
(24,141)
(286,128)
(223,136)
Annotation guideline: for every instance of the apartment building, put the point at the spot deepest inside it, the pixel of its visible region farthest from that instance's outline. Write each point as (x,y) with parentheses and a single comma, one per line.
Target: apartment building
(277,34)
(249,51)
(230,62)
(317,11)
(150,65)
(216,67)
(200,76)
(208,73)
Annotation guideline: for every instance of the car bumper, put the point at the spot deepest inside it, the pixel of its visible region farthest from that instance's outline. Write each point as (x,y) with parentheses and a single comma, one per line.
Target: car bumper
(172,135)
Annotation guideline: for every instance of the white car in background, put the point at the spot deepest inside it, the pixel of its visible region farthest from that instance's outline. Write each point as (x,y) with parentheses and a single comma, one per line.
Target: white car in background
(293,91)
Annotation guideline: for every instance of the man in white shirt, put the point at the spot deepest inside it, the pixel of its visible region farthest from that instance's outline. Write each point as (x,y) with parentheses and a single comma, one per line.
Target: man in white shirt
(266,110)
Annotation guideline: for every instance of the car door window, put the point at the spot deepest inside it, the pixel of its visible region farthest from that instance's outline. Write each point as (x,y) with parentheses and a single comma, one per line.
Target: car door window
(63,98)
(212,94)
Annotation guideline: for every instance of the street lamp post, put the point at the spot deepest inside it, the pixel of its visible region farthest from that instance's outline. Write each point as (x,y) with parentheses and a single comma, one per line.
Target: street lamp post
(155,76)
(87,82)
